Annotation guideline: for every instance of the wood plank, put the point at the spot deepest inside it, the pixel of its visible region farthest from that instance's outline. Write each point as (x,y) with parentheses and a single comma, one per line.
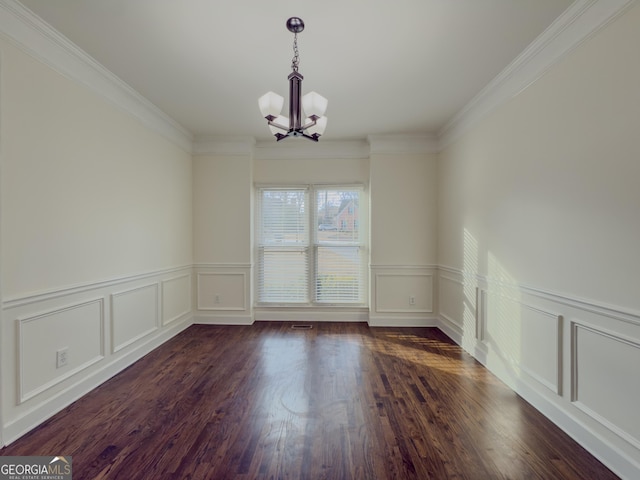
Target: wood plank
(339,401)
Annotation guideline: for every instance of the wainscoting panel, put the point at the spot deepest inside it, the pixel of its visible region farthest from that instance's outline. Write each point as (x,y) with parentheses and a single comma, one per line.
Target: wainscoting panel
(176,298)
(526,337)
(402,295)
(223,294)
(452,303)
(574,359)
(134,314)
(406,293)
(41,336)
(502,330)
(605,382)
(542,347)
(222,291)
(103,326)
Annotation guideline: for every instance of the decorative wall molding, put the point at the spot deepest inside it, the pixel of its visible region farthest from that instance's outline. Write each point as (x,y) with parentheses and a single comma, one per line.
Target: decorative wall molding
(602,309)
(521,321)
(451,279)
(399,277)
(391,288)
(621,463)
(554,385)
(165,289)
(223,294)
(80,313)
(222,265)
(452,270)
(17,426)
(481,313)
(546,374)
(134,315)
(386,266)
(451,324)
(37,38)
(24,393)
(224,277)
(228,146)
(575,377)
(37,297)
(403,144)
(576,25)
(326,149)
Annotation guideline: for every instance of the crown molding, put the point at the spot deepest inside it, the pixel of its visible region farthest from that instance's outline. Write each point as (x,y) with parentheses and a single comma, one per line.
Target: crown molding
(239,146)
(576,25)
(403,144)
(37,38)
(299,148)
(327,149)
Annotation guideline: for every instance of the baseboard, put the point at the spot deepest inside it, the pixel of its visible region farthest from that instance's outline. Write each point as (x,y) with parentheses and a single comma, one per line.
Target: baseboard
(221,319)
(308,315)
(450,329)
(25,423)
(401,321)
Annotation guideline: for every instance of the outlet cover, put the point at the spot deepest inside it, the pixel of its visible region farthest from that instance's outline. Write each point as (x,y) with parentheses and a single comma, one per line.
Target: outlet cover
(62,357)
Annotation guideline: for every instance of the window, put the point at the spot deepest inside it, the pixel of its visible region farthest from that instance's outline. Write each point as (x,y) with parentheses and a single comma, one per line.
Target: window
(311,248)
(283,250)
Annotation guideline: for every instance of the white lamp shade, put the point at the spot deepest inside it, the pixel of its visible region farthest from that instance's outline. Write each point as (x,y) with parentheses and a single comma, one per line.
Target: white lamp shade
(280,120)
(319,127)
(314,104)
(270,104)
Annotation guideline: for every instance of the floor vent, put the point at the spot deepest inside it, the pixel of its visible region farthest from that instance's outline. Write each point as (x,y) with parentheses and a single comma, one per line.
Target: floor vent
(302,327)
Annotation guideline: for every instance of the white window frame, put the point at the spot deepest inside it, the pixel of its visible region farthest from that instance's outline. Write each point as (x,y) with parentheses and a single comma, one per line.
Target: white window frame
(314,244)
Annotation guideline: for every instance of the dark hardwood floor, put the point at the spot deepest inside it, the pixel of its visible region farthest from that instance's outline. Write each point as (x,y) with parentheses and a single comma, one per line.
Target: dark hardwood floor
(338,401)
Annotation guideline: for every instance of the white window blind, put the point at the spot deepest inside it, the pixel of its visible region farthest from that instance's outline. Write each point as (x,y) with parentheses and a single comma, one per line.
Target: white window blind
(283,244)
(311,247)
(339,246)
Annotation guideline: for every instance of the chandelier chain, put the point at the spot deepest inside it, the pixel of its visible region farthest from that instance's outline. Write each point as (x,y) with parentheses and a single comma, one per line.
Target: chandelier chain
(296,57)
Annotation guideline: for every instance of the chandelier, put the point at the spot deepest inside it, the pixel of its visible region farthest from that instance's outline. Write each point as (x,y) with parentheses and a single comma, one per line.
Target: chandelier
(309,108)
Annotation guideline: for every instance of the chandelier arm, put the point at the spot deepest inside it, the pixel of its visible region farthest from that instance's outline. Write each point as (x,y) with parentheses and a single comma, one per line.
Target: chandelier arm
(313,137)
(270,121)
(314,120)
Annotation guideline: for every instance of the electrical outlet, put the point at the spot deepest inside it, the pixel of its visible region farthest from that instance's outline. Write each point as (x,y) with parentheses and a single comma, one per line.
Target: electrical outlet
(217,298)
(412,300)
(62,357)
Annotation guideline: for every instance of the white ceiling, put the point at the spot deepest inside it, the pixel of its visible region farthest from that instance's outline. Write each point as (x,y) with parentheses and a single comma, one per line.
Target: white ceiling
(387,67)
